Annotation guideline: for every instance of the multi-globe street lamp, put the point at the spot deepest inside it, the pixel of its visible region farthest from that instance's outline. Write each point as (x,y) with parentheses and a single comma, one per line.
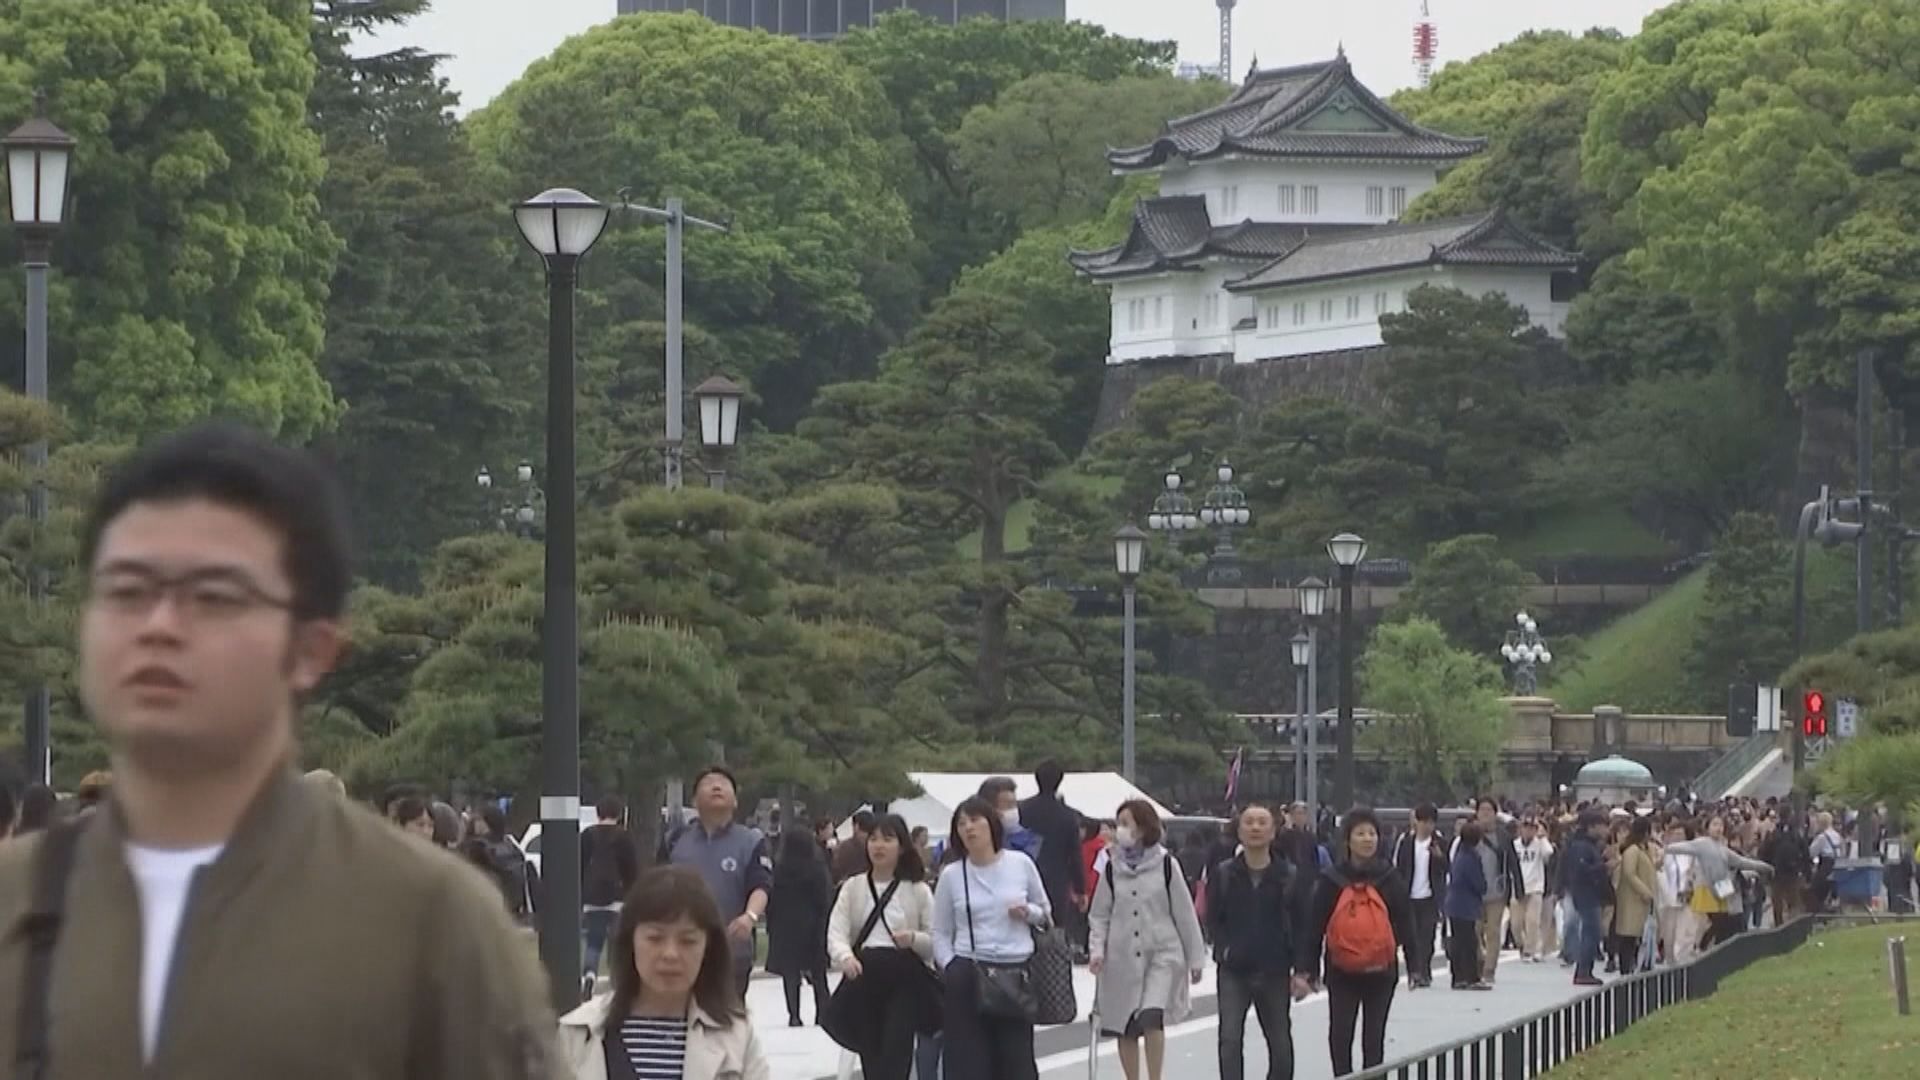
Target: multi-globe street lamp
(719,401)
(517,509)
(1313,603)
(1172,511)
(1129,556)
(562,225)
(1347,551)
(1525,649)
(39,156)
(1224,509)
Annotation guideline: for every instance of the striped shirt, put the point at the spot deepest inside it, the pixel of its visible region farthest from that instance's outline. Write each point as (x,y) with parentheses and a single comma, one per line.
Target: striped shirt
(657,1048)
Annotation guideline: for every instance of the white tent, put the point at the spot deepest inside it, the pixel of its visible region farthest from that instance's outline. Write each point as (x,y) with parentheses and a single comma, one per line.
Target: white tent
(1093,794)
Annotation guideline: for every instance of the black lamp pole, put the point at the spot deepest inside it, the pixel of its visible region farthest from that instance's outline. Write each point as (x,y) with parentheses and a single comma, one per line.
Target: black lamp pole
(1343,736)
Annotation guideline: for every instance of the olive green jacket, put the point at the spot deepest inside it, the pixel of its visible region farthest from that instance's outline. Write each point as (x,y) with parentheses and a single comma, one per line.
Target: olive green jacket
(323,944)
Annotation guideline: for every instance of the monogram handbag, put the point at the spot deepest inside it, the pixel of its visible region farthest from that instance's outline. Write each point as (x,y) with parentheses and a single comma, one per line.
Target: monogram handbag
(1050,974)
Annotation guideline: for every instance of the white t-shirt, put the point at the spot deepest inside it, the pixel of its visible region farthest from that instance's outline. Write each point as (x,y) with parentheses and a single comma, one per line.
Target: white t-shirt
(1422,886)
(1533,864)
(163,876)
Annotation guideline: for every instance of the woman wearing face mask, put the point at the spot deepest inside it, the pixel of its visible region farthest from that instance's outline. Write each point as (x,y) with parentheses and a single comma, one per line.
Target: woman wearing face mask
(1361,917)
(1145,943)
(985,909)
(881,938)
(673,1012)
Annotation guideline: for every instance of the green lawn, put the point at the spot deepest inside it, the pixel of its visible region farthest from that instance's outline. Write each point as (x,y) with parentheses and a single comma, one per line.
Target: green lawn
(1638,661)
(1823,1012)
(1603,529)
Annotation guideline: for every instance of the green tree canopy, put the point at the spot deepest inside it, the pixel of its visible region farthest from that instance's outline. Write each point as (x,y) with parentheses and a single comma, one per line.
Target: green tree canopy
(1744,630)
(194,270)
(1468,589)
(1439,719)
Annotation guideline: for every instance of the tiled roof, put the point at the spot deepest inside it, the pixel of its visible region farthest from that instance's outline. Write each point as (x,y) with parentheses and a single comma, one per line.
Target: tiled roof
(1261,119)
(1488,239)
(1172,232)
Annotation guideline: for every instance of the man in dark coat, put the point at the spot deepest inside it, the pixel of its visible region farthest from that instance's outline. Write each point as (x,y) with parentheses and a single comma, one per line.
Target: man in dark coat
(1058,827)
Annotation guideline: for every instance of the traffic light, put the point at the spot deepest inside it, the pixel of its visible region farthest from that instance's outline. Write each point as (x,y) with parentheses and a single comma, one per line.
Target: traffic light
(1813,715)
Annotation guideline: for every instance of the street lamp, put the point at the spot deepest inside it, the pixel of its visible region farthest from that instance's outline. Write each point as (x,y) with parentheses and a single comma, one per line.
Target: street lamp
(1224,508)
(719,399)
(38,159)
(1172,511)
(677,220)
(1347,550)
(1525,649)
(1313,603)
(517,511)
(1129,555)
(561,225)
(1302,657)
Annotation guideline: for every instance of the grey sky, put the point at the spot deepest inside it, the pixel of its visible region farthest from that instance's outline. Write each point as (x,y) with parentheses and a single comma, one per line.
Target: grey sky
(492,41)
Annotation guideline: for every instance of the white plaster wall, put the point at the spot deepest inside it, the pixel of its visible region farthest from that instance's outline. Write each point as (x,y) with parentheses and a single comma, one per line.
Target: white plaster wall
(1152,338)
(1531,289)
(1343,188)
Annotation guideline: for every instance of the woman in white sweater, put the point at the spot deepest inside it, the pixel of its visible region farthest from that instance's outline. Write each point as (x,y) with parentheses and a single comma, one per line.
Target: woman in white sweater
(985,910)
(880,937)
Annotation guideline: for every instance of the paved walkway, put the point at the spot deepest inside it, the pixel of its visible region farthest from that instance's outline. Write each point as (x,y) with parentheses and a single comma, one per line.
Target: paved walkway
(1420,1020)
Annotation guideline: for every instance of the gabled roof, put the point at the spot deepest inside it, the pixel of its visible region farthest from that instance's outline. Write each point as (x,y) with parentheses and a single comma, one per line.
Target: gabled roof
(1488,239)
(1175,232)
(1307,111)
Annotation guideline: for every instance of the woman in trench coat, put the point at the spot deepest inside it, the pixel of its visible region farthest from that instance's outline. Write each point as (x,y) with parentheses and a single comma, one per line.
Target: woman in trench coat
(1144,940)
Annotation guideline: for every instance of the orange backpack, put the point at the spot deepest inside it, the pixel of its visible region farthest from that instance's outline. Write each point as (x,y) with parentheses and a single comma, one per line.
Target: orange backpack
(1360,936)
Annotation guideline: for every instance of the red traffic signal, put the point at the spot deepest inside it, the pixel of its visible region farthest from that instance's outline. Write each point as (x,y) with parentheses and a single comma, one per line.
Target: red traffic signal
(1813,714)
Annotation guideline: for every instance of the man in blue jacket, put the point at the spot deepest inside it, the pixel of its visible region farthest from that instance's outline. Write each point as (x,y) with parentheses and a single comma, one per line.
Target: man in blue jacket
(1590,887)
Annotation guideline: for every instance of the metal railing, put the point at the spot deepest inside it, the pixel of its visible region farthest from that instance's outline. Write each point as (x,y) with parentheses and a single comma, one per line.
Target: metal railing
(1532,1045)
(1733,765)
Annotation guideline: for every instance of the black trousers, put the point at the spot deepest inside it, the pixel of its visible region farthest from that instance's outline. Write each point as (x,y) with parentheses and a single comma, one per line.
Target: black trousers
(1270,996)
(1463,950)
(1721,928)
(980,1047)
(1426,917)
(790,982)
(1367,998)
(892,994)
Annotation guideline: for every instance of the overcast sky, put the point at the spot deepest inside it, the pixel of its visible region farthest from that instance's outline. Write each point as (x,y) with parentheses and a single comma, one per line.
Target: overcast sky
(491,41)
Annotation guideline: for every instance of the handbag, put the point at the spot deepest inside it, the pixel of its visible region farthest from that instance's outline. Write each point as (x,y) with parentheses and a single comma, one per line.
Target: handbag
(999,990)
(1050,973)
(846,1020)
(1704,902)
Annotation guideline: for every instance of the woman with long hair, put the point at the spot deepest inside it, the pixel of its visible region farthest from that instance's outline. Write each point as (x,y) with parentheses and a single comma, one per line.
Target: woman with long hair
(1145,947)
(880,936)
(1716,890)
(673,1012)
(797,910)
(1634,893)
(988,903)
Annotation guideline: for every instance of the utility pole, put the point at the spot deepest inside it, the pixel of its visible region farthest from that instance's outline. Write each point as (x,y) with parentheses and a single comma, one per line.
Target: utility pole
(1863,547)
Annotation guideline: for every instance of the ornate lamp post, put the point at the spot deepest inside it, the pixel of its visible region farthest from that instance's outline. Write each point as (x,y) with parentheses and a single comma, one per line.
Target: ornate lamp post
(562,225)
(38,159)
(1525,649)
(1302,656)
(1172,512)
(1347,550)
(1224,508)
(518,510)
(1129,555)
(1313,604)
(719,400)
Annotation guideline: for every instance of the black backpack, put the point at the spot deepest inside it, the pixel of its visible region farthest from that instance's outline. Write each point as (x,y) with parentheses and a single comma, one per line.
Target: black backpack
(602,885)
(1166,871)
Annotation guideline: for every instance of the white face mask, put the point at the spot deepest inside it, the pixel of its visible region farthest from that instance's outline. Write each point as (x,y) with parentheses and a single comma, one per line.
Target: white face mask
(1010,818)
(1124,837)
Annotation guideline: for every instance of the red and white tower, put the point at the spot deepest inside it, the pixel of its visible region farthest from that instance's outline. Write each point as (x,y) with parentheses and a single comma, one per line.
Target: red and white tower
(1426,43)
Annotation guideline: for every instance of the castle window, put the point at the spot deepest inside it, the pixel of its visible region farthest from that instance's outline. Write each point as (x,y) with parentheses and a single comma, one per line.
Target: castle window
(1310,199)
(1353,306)
(1229,201)
(1376,201)
(1300,313)
(1397,204)
(1287,198)
(1159,312)
(1379,303)
(1326,310)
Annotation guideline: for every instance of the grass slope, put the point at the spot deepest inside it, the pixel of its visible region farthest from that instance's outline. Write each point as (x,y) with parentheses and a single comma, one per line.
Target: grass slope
(1604,530)
(1823,1012)
(1638,661)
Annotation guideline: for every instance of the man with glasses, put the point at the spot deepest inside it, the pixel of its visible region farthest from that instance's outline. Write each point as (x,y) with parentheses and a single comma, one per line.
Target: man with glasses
(220,918)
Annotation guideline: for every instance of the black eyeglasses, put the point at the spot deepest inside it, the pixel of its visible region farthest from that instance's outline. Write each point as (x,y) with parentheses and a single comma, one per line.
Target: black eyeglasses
(200,595)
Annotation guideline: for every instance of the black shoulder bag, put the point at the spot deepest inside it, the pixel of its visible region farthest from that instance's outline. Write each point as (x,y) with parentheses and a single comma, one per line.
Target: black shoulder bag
(52,867)
(847,1019)
(999,990)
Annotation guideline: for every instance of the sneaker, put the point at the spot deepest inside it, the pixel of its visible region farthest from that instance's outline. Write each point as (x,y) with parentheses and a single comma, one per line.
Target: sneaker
(586,986)
(1480,986)
(1588,980)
